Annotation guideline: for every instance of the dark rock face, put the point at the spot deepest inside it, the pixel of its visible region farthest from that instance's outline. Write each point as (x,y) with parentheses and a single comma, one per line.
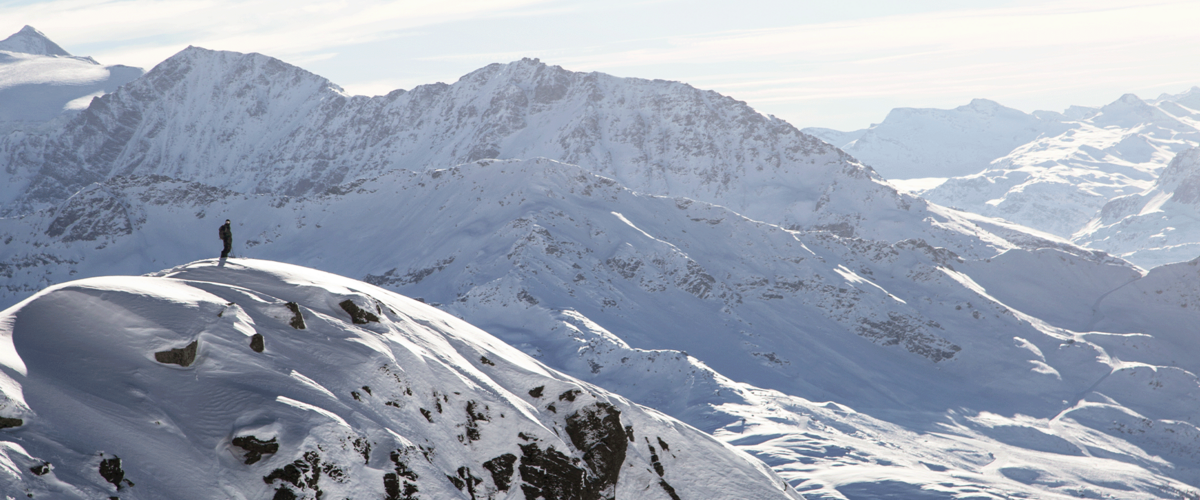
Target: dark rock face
(659,469)
(662,483)
(401,484)
(537,391)
(255,448)
(40,469)
(550,474)
(257,343)
(654,461)
(110,470)
(303,475)
(181,357)
(465,481)
(596,430)
(501,468)
(474,416)
(358,315)
(6,422)
(297,318)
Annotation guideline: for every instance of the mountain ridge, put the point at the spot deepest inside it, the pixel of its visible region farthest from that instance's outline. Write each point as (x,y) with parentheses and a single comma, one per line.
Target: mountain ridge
(31,41)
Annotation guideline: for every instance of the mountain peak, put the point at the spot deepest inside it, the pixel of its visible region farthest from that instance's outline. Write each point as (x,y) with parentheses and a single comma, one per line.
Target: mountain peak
(1130,110)
(31,41)
(983,104)
(1130,99)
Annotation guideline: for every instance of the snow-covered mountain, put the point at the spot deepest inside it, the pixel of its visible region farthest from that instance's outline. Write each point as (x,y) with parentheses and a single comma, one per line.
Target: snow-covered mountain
(1155,227)
(680,249)
(922,142)
(245,379)
(39,81)
(250,123)
(1047,170)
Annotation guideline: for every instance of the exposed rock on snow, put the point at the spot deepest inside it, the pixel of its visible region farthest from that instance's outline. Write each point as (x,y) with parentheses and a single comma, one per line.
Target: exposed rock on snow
(182,356)
(117,424)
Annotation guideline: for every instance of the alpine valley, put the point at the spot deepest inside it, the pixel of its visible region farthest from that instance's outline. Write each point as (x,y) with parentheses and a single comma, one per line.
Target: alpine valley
(752,293)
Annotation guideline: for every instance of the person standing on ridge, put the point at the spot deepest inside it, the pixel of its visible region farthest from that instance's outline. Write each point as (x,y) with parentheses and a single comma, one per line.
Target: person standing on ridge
(226,234)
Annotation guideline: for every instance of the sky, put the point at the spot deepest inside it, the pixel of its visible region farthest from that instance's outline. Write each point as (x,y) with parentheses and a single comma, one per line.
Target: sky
(841,65)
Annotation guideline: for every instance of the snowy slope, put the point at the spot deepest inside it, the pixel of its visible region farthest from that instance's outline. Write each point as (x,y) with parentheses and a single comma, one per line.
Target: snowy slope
(1157,226)
(669,300)
(1046,170)
(40,81)
(234,380)
(1058,182)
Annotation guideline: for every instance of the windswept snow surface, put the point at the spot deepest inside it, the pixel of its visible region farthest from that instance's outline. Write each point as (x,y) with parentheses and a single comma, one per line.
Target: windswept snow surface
(398,401)
(39,81)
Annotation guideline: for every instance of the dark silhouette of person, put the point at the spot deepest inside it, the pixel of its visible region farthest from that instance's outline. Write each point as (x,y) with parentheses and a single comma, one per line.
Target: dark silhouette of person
(226,234)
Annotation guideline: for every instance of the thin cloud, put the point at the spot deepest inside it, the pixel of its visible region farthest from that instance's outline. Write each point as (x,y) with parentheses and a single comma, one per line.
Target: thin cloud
(1038,54)
(280,28)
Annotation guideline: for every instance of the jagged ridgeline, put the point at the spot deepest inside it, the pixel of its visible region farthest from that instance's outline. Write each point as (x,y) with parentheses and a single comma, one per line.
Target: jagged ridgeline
(253,124)
(265,380)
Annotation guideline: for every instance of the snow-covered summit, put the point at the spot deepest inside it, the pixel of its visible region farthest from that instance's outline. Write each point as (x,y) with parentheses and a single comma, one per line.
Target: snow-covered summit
(39,81)
(247,379)
(1189,98)
(922,142)
(31,41)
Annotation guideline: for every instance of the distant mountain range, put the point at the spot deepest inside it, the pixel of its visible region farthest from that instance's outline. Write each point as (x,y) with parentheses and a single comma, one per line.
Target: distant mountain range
(659,241)
(1046,170)
(40,81)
